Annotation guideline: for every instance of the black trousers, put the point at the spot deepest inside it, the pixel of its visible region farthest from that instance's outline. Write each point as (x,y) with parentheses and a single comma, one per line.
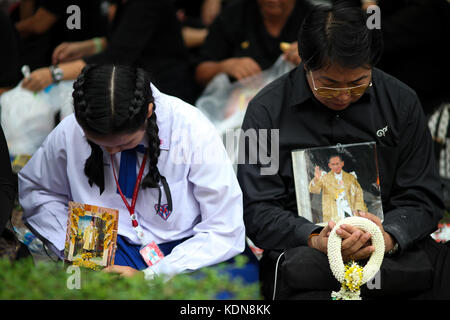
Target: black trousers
(422,272)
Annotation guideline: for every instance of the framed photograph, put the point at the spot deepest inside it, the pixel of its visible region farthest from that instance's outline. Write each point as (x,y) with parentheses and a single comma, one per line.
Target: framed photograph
(335,182)
(91,236)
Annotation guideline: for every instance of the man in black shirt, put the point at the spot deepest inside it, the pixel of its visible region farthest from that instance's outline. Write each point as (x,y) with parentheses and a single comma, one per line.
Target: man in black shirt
(247,36)
(9,60)
(48,27)
(414,37)
(337,96)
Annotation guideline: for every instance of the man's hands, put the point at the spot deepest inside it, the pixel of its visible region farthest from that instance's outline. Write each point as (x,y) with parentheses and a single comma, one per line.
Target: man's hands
(240,68)
(38,80)
(69,51)
(320,242)
(356,244)
(317,173)
(41,78)
(389,242)
(290,52)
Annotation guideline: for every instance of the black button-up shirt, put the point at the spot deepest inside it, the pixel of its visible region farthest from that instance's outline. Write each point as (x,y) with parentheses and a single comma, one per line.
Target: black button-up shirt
(239,31)
(410,187)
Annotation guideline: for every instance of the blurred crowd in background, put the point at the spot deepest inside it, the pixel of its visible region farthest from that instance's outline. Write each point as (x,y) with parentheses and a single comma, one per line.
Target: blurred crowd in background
(185,43)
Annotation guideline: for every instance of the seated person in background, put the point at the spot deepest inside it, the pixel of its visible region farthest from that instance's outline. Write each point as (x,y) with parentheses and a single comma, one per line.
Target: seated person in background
(188,203)
(415,36)
(195,17)
(10,247)
(9,55)
(327,100)
(49,24)
(144,34)
(8,185)
(246,38)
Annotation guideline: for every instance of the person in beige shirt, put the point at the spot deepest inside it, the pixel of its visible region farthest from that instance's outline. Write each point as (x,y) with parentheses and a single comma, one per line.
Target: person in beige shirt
(90,237)
(342,195)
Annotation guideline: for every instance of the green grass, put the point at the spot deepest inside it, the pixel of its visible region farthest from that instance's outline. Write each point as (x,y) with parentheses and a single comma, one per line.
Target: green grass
(25,280)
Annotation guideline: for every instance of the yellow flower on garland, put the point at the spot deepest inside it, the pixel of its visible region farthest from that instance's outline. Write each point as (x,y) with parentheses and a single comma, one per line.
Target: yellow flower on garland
(353,276)
(350,289)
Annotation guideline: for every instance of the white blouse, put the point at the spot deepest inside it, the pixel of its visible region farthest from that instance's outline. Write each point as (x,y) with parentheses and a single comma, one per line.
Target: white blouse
(207,199)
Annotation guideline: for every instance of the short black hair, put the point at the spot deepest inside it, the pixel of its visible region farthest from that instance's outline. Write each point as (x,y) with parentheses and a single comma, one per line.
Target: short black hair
(338,34)
(335,155)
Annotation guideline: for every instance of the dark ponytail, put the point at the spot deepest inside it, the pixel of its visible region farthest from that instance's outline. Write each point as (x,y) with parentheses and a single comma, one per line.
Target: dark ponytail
(114,99)
(93,167)
(153,177)
(140,94)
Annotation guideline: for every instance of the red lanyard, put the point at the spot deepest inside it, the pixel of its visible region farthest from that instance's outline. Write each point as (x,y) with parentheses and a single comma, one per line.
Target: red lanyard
(135,192)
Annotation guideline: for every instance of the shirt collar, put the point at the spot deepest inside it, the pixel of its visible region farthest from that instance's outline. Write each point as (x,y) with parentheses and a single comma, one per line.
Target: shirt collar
(300,91)
(338,175)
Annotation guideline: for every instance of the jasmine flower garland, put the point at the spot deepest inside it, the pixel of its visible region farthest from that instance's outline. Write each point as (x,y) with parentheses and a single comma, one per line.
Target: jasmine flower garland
(352,276)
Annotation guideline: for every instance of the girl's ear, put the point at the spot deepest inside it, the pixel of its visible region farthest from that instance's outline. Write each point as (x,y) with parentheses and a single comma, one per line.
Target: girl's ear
(150,110)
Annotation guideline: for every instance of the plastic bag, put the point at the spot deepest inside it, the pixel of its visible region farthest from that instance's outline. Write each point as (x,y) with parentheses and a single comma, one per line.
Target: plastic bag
(60,97)
(224,103)
(28,117)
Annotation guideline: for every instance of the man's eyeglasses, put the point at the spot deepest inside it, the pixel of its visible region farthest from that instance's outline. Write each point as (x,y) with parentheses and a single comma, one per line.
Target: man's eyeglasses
(335,92)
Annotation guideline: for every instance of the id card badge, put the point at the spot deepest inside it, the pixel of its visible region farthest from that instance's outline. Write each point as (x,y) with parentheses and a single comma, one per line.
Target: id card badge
(151,253)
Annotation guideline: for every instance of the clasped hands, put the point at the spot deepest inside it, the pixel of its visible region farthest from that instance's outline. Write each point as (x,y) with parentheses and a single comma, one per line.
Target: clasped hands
(356,243)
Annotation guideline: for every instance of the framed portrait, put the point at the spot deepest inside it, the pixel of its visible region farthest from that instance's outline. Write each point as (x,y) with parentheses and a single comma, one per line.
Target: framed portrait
(91,236)
(332,183)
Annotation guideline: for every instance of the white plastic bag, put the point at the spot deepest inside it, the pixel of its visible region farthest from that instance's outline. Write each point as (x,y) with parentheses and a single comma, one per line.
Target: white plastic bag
(60,97)
(224,103)
(28,117)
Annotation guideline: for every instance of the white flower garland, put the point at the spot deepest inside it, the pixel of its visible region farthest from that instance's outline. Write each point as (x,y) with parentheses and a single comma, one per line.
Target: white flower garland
(351,276)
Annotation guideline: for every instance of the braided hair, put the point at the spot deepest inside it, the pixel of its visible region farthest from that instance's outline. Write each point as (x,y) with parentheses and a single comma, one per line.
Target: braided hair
(113,100)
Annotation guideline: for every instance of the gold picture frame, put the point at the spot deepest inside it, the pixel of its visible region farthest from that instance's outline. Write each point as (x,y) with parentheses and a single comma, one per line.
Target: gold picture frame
(91,236)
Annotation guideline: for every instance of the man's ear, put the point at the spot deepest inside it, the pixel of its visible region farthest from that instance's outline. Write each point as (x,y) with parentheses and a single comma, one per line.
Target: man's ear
(150,110)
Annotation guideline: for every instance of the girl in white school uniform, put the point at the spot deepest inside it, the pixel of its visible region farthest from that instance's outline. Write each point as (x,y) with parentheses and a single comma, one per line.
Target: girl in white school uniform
(189,201)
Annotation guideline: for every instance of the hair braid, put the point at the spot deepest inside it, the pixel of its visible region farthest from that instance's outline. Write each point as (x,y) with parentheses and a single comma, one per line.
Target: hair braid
(93,167)
(142,97)
(78,94)
(153,177)
(104,106)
